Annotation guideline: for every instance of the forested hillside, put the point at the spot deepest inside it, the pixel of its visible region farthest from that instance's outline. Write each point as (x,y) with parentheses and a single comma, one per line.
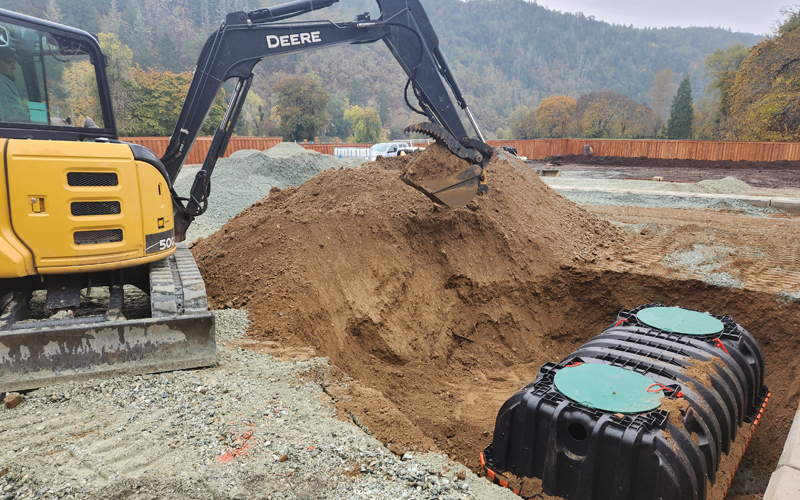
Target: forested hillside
(506,53)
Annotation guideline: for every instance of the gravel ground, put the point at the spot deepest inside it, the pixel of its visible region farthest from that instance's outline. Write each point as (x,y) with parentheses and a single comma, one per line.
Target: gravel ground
(247,176)
(616,179)
(251,428)
(637,200)
(705,260)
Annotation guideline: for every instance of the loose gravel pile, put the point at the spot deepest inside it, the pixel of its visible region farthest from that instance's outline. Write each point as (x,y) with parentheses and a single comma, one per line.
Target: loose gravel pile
(252,427)
(247,176)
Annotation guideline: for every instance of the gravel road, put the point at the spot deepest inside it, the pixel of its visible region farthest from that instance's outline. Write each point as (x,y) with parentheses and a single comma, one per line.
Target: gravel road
(614,179)
(251,428)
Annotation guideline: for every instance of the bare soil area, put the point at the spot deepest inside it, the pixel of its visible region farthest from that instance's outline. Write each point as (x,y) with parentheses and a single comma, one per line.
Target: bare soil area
(442,314)
(773,175)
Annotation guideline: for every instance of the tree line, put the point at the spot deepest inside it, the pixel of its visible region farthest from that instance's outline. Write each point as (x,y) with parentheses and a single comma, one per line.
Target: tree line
(608,114)
(505,54)
(755,92)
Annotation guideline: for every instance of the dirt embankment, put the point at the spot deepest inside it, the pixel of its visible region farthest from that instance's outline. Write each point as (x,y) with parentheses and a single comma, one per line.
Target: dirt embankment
(368,272)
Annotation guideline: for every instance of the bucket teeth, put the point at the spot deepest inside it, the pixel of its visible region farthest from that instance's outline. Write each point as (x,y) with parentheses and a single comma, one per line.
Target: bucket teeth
(456,190)
(443,137)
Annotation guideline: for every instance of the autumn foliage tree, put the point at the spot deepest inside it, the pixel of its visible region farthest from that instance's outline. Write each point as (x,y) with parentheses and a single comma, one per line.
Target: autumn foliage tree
(365,124)
(721,67)
(82,99)
(300,103)
(555,115)
(158,101)
(660,95)
(765,104)
(120,77)
(522,123)
(597,113)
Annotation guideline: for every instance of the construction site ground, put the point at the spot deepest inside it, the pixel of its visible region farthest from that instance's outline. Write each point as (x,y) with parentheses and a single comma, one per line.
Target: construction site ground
(361,327)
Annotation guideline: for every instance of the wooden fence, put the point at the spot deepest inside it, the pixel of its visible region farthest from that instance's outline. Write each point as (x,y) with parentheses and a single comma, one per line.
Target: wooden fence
(541,148)
(691,150)
(328,148)
(197,154)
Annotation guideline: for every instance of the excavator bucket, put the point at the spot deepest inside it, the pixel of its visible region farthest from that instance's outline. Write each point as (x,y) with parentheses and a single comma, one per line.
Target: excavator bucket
(438,182)
(178,334)
(454,190)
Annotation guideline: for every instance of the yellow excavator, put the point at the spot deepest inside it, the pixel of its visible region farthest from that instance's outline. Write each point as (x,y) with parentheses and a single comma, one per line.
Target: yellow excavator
(89,223)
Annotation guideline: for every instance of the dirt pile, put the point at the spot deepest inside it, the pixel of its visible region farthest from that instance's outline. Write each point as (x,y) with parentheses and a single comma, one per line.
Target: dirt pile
(437,162)
(370,273)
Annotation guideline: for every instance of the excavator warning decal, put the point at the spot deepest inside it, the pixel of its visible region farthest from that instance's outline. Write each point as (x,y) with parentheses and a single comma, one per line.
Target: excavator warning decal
(159,242)
(275,41)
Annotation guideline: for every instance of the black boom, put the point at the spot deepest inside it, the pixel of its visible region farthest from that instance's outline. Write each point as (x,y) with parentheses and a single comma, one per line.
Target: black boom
(246,38)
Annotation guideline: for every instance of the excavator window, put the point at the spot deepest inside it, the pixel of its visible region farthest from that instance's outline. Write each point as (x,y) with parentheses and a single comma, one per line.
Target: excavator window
(46,81)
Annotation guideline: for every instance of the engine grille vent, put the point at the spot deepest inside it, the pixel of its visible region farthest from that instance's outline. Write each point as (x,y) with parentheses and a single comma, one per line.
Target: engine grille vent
(98,237)
(92,179)
(88,208)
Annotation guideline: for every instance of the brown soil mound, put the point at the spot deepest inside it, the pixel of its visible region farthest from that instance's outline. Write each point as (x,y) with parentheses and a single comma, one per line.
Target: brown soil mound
(367,271)
(435,162)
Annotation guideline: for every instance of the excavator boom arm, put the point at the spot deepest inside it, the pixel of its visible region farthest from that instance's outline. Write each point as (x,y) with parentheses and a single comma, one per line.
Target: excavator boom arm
(245,39)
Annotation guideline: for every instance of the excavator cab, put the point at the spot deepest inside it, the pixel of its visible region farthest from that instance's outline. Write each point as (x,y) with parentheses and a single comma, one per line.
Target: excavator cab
(86,222)
(51,82)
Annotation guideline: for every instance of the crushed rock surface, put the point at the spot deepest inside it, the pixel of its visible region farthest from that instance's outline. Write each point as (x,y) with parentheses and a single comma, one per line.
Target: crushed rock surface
(247,176)
(252,427)
(638,200)
(727,185)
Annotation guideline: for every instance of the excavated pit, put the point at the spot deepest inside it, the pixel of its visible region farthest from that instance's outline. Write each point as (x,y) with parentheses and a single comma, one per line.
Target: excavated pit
(438,315)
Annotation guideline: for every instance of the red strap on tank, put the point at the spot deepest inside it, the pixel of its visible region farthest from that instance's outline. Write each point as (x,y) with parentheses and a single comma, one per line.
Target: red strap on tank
(623,320)
(718,343)
(572,365)
(662,387)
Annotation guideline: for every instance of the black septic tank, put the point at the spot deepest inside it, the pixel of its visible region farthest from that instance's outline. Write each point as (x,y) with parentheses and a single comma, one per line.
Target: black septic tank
(646,410)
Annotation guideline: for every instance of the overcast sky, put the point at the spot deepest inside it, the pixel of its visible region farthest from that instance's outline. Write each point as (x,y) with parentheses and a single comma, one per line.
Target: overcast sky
(752,16)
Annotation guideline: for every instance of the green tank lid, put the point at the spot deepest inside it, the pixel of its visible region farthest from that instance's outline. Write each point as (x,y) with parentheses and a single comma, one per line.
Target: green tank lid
(608,388)
(677,320)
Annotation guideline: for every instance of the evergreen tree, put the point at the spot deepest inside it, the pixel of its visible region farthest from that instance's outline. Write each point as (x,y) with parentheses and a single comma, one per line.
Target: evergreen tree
(166,55)
(337,125)
(680,118)
(384,109)
(358,95)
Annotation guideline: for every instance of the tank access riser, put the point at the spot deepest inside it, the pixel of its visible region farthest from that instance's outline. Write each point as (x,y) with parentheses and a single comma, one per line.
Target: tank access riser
(179,336)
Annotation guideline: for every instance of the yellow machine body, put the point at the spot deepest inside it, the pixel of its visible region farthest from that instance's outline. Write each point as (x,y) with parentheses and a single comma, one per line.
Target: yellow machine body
(80,207)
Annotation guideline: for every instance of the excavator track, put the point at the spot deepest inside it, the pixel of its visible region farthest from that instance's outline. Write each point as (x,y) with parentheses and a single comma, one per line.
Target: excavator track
(176,286)
(178,335)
